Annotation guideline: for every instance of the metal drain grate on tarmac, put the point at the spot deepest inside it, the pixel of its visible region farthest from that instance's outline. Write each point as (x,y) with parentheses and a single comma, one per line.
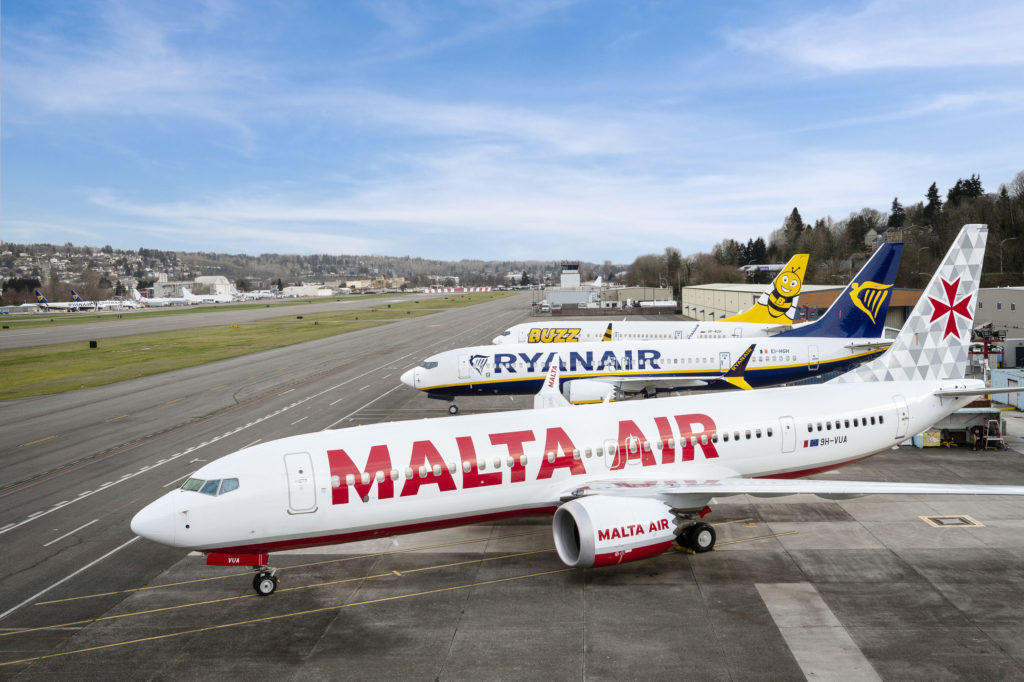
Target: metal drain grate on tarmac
(960,521)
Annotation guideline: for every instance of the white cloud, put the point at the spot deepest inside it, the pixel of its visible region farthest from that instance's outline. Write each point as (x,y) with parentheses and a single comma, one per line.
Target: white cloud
(896,34)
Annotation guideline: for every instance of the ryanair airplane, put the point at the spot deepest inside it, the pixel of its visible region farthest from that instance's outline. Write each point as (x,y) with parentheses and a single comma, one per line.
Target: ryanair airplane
(773,312)
(846,335)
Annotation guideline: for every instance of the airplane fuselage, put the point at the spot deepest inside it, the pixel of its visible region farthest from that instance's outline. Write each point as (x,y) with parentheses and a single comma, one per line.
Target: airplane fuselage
(575,331)
(390,478)
(669,365)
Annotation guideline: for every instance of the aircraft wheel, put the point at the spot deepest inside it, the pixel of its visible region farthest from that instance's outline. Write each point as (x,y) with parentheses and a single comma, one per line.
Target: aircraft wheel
(453,409)
(264,583)
(700,537)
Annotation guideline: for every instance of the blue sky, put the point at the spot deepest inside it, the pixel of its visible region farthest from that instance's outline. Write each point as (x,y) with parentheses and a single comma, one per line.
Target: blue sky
(491,129)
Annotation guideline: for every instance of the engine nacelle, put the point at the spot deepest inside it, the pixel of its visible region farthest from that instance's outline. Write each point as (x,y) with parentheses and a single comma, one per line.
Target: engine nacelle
(587,391)
(599,530)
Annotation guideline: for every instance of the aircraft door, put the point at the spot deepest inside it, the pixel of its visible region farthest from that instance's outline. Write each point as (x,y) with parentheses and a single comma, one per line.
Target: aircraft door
(812,358)
(737,332)
(610,452)
(724,361)
(678,334)
(301,486)
(788,428)
(463,366)
(523,336)
(902,416)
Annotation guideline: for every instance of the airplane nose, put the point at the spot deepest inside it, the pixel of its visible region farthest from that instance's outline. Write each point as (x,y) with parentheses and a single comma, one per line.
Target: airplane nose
(409,377)
(156,521)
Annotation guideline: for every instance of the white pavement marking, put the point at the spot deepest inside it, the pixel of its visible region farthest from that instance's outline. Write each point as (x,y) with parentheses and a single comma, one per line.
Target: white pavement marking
(298,420)
(365,405)
(818,641)
(66,578)
(71,533)
(168,485)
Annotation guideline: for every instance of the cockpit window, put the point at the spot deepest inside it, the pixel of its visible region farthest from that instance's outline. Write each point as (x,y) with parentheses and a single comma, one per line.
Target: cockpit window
(506,332)
(210,488)
(213,487)
(428,364)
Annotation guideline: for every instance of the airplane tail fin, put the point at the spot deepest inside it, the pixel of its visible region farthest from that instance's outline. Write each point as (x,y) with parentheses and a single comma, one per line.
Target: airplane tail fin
(136,296)
(860,310)
(934,342)
(607,333)
(76,298)
(39,297)
(777,305)
(549,394)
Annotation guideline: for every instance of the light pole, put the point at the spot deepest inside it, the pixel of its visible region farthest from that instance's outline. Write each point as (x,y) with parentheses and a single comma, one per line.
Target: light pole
(1008,239)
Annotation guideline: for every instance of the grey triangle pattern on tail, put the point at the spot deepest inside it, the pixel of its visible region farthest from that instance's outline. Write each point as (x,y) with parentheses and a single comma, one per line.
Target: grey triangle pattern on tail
(934,342)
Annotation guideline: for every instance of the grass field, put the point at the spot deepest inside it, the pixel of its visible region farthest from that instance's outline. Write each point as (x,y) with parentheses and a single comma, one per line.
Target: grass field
(68,366)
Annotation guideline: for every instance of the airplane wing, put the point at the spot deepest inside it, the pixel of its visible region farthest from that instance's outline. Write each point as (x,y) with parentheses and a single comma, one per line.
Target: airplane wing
(667,384)
(769,487)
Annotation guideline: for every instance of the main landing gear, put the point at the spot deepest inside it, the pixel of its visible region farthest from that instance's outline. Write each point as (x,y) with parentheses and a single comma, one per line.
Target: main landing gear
(698,537)
(453,408)
(265,581)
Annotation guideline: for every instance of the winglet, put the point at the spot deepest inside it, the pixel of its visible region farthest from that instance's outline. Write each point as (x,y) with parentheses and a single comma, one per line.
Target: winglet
(735,374)
(549,394)
(607,333)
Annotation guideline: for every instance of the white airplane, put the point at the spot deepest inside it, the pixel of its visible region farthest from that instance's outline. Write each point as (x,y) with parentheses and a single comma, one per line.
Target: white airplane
(206,298)
(623,481)
(773,312)
(158,301)
(847,334)
(257,295)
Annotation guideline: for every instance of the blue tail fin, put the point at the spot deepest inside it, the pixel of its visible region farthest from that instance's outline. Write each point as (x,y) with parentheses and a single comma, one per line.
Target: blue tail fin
(39,297)
(860,310)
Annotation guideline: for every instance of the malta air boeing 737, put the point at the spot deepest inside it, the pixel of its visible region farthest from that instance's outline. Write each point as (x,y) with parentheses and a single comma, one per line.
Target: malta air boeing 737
(847,334)
(774,311)
(158,301)
(622,481)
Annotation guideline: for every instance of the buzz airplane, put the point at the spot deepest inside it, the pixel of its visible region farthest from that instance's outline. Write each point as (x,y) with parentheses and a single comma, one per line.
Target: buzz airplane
(774,311)
(847,334)
(623,481)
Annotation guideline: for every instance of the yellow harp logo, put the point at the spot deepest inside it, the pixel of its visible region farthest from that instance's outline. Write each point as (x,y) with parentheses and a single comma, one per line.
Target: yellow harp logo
(869,297)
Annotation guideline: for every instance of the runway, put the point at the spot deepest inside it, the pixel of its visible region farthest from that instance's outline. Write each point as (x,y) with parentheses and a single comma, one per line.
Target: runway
(797,586)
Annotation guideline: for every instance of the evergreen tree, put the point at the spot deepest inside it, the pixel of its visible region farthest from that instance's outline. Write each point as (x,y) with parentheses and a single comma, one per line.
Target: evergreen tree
(897,216)
(793,226)
(933,208)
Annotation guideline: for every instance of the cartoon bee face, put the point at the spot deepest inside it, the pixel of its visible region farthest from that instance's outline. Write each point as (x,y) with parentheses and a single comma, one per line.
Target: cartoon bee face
(788,284)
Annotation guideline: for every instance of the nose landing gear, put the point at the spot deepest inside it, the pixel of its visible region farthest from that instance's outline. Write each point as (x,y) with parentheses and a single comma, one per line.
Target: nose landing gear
(265,582)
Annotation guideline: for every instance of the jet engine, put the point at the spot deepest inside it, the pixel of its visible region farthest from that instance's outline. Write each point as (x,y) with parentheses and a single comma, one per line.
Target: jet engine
(587,391)
(599,530)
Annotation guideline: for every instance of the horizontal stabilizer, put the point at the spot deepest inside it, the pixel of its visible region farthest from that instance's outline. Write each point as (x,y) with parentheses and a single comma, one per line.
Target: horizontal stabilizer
(957,392)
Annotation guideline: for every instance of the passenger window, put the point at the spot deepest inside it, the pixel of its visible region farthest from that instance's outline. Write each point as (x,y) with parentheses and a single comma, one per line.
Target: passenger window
(819,426)
(757,432)
(725,436)
(846,423)
(769,432)
(810,428)
(748,434)
(229,484)
(704,440)
(855,421)
(210,488)
(828,426)
(872,421)
(838,425)
(714,438)
(879,419)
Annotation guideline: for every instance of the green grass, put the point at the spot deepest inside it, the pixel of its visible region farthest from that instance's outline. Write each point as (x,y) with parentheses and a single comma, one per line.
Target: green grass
(56,368)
